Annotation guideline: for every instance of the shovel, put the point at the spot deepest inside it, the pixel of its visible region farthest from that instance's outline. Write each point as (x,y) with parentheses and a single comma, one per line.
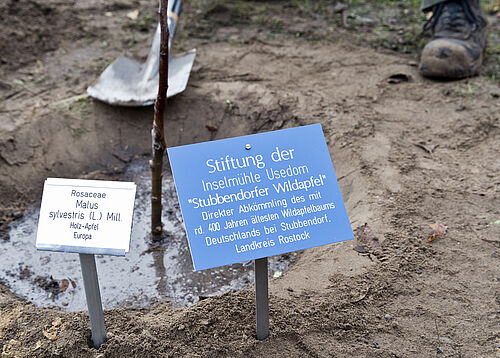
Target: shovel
(126,82)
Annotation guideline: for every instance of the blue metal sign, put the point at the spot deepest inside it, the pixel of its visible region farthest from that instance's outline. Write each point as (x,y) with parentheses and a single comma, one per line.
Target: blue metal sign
(259,195)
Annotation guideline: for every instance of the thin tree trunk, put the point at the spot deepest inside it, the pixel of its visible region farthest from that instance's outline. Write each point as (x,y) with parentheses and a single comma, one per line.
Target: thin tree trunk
(158,135)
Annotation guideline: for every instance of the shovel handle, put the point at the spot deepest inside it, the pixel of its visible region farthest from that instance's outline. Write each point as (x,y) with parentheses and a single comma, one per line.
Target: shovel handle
(173,11)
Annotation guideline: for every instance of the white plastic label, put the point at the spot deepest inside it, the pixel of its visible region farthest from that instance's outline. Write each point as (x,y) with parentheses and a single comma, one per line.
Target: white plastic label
(86,216)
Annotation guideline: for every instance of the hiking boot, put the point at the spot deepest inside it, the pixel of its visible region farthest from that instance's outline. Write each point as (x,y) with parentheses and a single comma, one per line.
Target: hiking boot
(459,40)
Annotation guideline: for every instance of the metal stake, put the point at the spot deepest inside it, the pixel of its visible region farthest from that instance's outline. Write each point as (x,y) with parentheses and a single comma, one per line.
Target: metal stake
(261,298)
(94,304)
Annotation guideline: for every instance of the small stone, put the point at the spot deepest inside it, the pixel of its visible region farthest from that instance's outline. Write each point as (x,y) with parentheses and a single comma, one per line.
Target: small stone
(57,322)
(133,15)
(446,340)
(361,249)
(388,317)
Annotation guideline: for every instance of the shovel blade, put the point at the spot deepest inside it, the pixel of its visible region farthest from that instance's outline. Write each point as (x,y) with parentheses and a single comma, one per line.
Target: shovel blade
(126,82)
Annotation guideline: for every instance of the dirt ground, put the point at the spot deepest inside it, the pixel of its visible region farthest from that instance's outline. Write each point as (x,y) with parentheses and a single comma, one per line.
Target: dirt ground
(408,152)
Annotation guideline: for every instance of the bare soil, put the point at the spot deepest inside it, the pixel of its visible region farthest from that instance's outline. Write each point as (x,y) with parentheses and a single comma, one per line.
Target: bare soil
(409,153)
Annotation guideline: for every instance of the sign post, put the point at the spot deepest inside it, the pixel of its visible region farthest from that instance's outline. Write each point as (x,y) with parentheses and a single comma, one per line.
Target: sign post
(93,295)
(261,298)
(251,197)
(87,217)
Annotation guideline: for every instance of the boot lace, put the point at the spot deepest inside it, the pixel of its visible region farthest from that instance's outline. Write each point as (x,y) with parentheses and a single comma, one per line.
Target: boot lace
(452,18)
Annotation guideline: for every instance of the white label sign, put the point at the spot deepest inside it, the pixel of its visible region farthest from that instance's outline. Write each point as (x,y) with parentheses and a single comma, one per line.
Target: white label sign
(86,216)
